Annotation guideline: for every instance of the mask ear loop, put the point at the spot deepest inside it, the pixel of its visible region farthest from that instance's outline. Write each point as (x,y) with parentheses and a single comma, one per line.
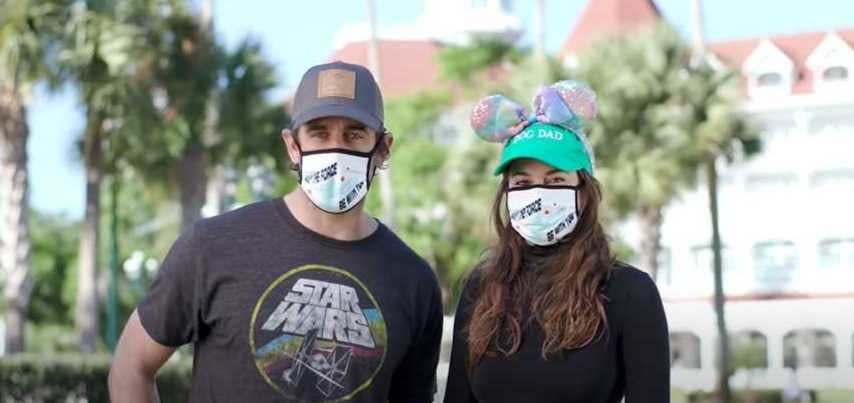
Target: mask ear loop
(369,175)
(298,166)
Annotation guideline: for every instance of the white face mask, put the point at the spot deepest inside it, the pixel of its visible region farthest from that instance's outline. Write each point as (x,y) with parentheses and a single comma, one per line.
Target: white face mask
(335,180)
(543,215)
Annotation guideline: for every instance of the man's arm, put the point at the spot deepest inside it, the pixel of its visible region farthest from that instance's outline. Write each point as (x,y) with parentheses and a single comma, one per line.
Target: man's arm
(135,363)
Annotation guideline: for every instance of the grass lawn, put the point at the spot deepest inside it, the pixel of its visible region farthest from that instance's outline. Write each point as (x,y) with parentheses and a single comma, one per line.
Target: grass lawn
(836,396)
(824,396)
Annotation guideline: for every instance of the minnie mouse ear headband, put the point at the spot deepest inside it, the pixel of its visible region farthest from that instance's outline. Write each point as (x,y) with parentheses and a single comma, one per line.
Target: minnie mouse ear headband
(552,134)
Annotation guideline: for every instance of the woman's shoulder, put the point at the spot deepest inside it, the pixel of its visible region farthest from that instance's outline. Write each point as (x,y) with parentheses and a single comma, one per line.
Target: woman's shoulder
(625,281)
(470,281)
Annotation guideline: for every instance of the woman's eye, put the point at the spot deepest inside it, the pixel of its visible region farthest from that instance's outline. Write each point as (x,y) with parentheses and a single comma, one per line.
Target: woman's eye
(558,180)
(521,183)
(318,134)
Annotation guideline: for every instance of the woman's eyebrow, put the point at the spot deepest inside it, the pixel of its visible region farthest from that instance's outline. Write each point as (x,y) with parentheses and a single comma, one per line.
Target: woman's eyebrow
(519,173)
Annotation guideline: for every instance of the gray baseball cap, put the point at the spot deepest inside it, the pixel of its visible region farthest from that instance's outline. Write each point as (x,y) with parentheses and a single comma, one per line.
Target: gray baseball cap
(339,89)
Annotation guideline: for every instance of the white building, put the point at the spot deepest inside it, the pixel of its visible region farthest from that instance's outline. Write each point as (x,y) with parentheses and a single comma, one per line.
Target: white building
(787,221)
(786,215)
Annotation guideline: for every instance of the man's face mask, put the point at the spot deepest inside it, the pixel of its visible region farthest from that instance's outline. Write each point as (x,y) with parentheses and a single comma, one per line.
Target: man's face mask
(543,215)
(336,180)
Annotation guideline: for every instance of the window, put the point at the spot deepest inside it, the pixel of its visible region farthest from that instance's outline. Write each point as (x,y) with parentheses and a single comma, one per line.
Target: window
(665,275)
(758,182)
(704,259)
(835,73)
(769,80)
(684,350)
(815,348)
(833,178)
(834,254)
(774,263)
(749,349)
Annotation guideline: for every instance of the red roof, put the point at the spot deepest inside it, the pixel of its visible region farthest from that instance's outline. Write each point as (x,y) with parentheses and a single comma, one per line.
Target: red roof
(610,17)
(797,47)
(406,66)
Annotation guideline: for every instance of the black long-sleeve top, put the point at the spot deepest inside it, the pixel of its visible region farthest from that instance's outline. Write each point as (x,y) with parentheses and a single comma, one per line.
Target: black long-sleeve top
(631,360)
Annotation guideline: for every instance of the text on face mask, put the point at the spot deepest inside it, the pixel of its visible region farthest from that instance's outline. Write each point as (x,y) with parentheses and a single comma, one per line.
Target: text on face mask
(349,197)
(323,174)
(528,210)
(550,236)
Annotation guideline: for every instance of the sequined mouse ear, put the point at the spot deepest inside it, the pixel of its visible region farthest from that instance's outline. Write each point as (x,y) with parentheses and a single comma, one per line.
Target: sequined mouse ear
(579,97)
(496,118)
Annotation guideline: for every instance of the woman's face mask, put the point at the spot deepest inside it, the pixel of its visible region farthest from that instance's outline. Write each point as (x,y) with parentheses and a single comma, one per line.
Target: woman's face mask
(543,214)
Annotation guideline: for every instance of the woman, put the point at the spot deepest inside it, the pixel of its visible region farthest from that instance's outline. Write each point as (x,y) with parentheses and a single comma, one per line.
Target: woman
(550,315)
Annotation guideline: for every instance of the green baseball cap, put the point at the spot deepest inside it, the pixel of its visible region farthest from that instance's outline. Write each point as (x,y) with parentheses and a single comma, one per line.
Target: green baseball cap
(552,145)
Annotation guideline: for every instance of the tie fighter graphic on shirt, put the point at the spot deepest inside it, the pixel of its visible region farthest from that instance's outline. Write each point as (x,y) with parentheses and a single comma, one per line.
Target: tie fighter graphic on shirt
(329,365)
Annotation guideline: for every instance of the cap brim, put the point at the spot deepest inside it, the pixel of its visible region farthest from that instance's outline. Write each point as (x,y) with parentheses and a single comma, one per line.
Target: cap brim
(561,165)
(337,110)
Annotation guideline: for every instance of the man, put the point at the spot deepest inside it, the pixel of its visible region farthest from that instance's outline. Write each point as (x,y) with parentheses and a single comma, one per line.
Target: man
(300,299)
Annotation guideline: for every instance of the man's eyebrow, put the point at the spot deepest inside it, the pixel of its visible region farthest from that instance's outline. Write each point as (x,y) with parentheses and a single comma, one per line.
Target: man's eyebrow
(316,126)
(356,126)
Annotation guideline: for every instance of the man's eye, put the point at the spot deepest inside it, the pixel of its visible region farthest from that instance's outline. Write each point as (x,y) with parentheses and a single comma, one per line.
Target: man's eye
(355,135)
(318,134)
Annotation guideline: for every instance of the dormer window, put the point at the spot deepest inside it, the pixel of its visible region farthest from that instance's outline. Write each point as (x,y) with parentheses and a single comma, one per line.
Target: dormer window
(770,72)
(765,80)
(835,73)
(831,63)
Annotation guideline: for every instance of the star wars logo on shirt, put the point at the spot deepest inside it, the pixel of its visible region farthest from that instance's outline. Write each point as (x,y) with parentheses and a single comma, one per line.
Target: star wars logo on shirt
(317,334)
(331,308)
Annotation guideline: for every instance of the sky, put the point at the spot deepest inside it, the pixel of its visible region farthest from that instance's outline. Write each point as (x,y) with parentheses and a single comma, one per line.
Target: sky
(299,34)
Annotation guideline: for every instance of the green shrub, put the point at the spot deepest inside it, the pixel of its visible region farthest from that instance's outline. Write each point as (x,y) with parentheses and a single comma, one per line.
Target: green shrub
(739,396)
(62,378)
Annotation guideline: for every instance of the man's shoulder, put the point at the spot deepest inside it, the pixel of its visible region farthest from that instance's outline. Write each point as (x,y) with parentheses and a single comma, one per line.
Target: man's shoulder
(245,218)
(397,251)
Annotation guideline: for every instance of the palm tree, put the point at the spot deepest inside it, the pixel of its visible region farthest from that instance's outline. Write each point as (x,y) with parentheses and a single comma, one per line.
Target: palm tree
(721,134)
(640,139)
(196,133)
(721,131)
(664,118)
(24,34)
(97,55)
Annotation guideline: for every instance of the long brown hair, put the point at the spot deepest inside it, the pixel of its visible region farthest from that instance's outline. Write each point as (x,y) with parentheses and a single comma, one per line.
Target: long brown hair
(570,311)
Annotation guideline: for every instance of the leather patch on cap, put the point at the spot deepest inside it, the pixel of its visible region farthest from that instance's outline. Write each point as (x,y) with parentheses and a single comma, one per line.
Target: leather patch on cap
(336,83)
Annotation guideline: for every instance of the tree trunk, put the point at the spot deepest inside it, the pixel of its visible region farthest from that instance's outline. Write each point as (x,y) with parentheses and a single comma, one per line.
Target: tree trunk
(192,183)
(650,243)
(383,175)
(724,393)
(540,30)
(14,207)
(86,318)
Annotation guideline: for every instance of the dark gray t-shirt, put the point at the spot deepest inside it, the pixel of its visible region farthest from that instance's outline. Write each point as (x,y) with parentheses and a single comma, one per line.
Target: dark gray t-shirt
(278,313)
